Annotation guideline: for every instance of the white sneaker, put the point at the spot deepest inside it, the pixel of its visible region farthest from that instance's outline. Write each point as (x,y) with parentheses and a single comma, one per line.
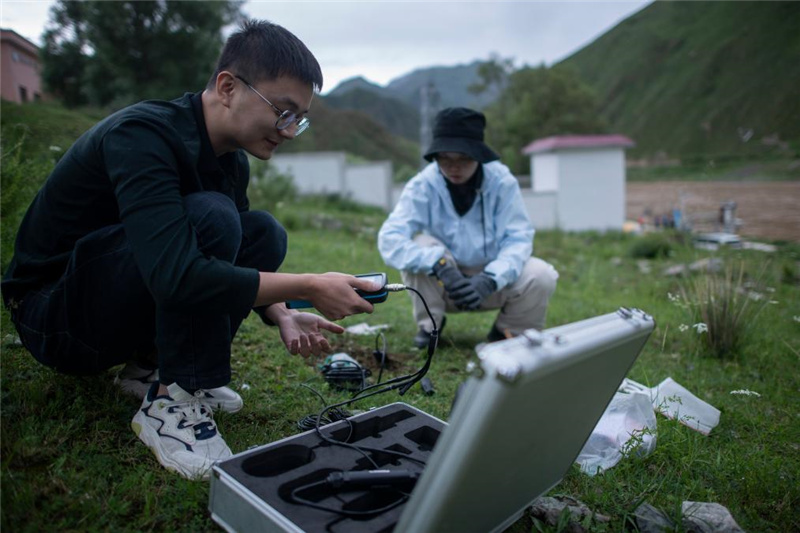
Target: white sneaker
(223,399)
(180,430)
(136,380)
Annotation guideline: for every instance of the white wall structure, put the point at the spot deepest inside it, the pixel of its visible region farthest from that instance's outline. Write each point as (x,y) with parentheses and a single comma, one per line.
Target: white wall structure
(545,168)
(577,182)
(542,208)
(369,183)
(329,173)
(313,172)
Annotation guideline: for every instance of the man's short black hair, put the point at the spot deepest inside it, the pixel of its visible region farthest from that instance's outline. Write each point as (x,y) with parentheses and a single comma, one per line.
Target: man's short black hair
(261,50)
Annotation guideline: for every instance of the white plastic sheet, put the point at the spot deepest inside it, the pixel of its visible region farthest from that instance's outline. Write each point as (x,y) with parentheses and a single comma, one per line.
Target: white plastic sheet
(362,328)
(628,427)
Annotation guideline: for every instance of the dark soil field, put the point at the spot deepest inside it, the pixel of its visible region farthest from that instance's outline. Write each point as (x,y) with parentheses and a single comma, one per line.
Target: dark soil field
(767,210)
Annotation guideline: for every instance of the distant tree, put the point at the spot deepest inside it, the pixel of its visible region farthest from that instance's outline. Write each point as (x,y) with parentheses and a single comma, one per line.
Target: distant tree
(115,53)
(539,102)
(495,72)
(63,55)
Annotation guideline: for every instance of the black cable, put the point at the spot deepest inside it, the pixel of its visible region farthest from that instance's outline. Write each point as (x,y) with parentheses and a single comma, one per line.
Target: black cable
(403,383)
(294,497)
(310,422)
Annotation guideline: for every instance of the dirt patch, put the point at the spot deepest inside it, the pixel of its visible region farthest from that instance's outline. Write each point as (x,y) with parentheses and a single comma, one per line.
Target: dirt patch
(768,210)
(361,349)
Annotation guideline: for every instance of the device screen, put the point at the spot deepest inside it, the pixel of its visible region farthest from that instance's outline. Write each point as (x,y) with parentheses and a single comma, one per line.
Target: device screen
(380,279)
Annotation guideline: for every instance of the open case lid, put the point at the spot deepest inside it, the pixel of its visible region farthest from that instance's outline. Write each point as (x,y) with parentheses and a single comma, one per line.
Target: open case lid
(521,421)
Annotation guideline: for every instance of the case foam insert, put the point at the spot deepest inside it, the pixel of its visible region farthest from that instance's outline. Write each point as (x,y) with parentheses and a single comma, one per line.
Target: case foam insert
(273,471)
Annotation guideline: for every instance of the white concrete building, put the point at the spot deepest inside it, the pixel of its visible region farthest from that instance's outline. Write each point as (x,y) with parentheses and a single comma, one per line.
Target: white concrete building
(577,182)
(367,183)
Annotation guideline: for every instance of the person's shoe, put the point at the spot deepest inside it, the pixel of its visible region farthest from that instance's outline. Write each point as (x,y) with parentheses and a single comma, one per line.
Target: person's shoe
(180,430)
(495,334)
(136,380)
(422,338)
(223,399)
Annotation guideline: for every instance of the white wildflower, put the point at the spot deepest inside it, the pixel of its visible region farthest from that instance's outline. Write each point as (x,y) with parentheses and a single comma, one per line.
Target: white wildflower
(54,148)
(746,392)
(700,327)
(796,318)
(770,289)
(683,327)
(244,386)
(674,298)
(774,302)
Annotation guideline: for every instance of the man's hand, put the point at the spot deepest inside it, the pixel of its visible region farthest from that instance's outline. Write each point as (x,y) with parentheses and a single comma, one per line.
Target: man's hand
(332,295)
(302,332)
(448,273)
(470,296)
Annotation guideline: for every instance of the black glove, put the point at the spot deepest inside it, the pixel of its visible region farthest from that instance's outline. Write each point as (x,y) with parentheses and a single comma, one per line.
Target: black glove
(448,273)
(470,296)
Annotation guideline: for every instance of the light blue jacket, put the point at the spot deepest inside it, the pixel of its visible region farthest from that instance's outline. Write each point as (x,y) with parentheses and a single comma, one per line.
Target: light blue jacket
(495,233)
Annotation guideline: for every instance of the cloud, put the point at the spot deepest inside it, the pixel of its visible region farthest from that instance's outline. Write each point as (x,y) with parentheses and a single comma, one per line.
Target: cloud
(382,40)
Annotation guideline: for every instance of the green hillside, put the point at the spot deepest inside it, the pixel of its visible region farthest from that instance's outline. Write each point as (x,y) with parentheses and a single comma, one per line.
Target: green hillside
(396,116)
(356,133)
(701,78)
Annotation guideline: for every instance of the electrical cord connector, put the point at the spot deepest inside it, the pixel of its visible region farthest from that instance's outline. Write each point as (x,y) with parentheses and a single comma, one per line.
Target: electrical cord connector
(395,287)
(372,478)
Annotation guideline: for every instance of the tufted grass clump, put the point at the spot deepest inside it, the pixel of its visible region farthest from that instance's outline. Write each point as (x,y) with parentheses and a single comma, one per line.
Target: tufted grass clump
(651,246)
(724,307)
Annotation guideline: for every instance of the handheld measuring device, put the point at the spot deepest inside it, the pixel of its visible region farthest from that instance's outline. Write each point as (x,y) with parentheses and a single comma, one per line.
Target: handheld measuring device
(373,297)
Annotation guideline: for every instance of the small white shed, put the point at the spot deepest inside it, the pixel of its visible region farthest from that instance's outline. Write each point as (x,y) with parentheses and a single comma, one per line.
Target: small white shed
(577,182)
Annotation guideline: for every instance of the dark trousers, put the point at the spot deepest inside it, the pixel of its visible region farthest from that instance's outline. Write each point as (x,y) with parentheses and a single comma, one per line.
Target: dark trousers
(100,313)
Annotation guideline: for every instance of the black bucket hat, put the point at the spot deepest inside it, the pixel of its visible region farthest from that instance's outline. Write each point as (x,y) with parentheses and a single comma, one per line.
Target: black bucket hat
(458,129)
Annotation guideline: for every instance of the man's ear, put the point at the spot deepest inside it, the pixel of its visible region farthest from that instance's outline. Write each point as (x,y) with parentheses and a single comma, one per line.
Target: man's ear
(224,87)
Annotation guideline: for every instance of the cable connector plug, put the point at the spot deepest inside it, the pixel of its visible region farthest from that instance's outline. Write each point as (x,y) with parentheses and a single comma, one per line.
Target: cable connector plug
(395,287)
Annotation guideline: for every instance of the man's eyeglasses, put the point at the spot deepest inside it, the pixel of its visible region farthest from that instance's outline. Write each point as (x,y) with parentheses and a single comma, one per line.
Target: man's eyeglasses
(285,118)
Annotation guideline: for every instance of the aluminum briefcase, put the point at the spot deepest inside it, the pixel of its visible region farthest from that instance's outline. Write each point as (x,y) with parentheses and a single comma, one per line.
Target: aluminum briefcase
(515,430)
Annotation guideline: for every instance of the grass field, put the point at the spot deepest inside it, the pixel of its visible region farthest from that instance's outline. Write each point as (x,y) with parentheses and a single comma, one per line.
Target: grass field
(69,460)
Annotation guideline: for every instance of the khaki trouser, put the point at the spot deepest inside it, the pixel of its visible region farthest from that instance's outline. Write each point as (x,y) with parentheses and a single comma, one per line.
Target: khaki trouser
(522,304)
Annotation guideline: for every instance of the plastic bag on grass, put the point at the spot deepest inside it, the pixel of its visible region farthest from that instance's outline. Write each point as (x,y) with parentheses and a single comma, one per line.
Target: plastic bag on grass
(627,427)
(673,400)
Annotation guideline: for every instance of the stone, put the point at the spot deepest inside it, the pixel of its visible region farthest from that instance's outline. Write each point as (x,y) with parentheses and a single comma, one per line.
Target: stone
(705,517)
(651,520)
(549,510)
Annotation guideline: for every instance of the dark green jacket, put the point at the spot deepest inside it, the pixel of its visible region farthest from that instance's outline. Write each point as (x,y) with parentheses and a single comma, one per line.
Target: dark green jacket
(134,168)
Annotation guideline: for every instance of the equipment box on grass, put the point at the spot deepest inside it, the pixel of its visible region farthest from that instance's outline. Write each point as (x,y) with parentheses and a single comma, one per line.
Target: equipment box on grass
(516,428)
(251,491)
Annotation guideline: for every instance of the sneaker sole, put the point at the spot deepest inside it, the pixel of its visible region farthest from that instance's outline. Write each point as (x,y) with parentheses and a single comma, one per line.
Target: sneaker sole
(150,438)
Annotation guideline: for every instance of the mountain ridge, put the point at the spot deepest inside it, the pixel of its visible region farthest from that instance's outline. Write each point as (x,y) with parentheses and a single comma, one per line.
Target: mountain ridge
(686,80)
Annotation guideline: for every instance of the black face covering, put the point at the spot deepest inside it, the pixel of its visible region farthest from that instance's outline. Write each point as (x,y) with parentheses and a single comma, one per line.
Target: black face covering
(464,195)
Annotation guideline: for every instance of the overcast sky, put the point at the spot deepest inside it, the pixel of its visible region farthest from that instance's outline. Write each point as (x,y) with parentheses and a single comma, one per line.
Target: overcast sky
(382,40)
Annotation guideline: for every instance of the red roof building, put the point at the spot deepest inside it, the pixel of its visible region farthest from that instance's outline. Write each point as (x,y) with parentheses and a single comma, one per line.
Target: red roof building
(20,70)
(577,182)
(565,142)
